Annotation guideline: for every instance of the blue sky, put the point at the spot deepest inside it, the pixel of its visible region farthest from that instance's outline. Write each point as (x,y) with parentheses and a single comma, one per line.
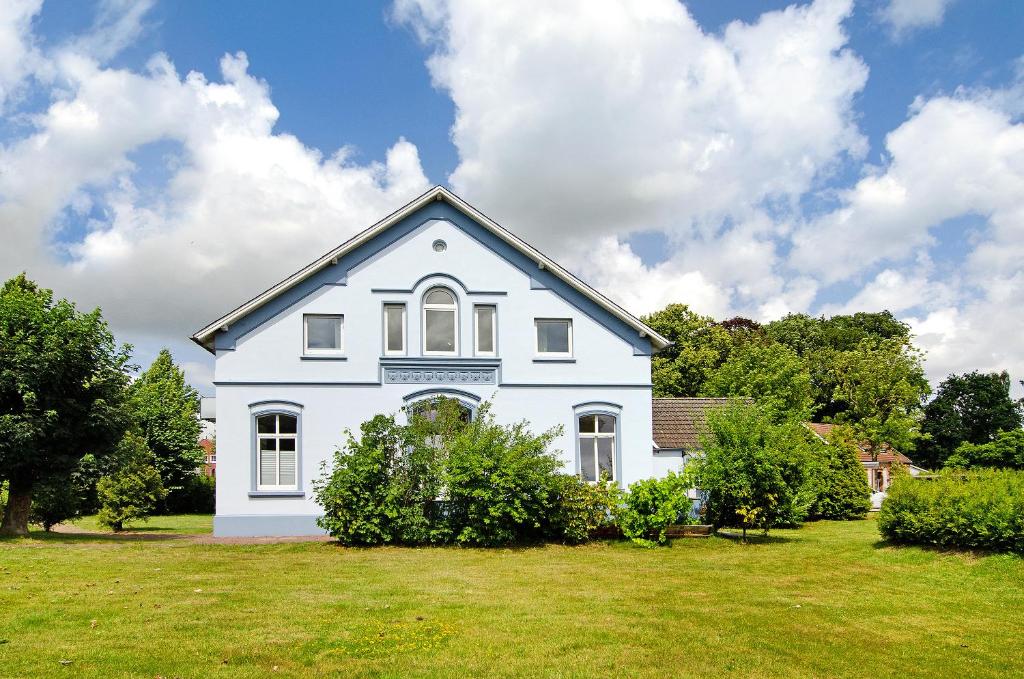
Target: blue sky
(725,198)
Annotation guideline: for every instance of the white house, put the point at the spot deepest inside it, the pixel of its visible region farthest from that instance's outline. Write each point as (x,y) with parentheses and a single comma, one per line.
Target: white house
(436,299)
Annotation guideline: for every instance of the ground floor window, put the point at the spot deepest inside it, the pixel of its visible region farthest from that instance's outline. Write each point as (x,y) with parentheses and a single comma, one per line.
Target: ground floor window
(277,439)
(597,446)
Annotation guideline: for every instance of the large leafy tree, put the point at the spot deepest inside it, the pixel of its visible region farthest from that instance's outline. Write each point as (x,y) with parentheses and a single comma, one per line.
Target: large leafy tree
(883,386)
(62,387)
(771,374)
(969,408)
(700,346)
(752,472)
(166,412)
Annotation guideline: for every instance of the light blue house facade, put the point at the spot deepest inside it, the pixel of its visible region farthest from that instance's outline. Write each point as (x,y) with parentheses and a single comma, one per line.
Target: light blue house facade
(435,299)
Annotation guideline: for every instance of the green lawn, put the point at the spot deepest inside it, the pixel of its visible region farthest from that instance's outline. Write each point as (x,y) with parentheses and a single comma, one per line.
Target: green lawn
(826,600)
(188,524)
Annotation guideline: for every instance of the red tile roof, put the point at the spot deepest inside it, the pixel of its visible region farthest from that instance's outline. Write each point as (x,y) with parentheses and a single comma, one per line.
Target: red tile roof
(885,454)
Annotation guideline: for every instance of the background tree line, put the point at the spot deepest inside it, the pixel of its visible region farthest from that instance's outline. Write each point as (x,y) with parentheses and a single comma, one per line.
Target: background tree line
(861,370)
(77,432)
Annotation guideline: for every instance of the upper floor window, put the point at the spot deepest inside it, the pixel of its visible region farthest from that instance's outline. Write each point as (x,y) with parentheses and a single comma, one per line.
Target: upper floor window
(597,446)
(394,329)
(484,330)
(323,334)
(440,323)
(277,455)
(554,336)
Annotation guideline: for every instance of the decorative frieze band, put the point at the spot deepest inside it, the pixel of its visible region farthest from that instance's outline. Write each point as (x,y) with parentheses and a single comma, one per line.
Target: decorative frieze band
(440,376)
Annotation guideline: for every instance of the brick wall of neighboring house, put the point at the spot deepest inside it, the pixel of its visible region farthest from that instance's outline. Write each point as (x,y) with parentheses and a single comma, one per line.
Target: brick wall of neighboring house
(210,461)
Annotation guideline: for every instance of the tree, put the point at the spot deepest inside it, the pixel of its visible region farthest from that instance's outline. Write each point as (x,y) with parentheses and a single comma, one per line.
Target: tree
(699,347)
(134,490)
(1005,451)
(821,341)
(883,385)
(752,472)
(57,499)
(62,387)
(969,408)
(837,478)
(166,411)
(771,374)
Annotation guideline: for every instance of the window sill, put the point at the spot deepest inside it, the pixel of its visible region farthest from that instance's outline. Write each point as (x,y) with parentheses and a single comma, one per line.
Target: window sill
(323,357)
(277,493)
(554,359)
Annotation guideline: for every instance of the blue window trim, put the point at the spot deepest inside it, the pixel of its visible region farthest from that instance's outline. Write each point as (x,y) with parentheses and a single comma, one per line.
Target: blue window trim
(598,408)
(274,408)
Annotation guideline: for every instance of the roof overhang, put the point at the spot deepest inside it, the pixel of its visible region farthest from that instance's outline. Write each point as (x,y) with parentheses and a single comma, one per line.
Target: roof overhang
(205,336)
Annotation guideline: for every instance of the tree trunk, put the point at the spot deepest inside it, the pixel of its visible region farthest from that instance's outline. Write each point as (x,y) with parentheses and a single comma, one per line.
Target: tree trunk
(19,501)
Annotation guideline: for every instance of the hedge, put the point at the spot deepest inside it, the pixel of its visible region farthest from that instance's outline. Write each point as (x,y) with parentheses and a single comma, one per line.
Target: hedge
(979,509)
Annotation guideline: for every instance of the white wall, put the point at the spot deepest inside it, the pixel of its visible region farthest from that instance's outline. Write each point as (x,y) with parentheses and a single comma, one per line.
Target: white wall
(267,364)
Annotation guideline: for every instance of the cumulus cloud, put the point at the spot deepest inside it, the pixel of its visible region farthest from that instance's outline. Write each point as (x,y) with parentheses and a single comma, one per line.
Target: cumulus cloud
(18,53)
(586,120)
(905,15)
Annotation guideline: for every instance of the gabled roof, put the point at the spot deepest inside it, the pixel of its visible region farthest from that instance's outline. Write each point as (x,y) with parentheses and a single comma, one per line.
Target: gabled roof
(886,453)
(678,423)
(204,337)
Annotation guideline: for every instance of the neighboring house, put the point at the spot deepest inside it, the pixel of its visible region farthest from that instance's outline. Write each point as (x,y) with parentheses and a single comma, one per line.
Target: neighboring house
(434,300)
(878,468)
(209,457)
(678,424)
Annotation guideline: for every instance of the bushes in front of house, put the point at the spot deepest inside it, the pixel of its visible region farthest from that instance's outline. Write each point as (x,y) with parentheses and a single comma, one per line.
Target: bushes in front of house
(976,509)
(441,480)
(836,480)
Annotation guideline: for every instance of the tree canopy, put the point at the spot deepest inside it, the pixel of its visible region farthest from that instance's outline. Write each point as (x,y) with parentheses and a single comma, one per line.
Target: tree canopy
(969,408)
(165,409)
(62,386)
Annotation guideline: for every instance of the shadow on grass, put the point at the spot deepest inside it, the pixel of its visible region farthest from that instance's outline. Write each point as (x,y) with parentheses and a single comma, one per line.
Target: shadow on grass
(84,537)
(942,550)
(755,538)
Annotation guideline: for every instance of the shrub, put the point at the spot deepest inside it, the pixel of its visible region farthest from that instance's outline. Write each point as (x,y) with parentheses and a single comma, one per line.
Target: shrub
(197,495)
(1006,451)
(361,505)
(752,473)
(134,489)
(838,484)
(500,482)
(652,505)
(979,509)
(58,499)
(583,510)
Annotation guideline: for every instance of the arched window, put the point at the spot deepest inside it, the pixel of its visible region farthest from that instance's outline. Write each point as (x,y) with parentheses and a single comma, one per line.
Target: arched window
(277,437)
(597,446)
(440,323)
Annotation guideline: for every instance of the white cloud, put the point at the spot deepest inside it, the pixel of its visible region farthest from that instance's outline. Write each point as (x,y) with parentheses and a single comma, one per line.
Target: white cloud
(905,15)
(241,208)
(18,54)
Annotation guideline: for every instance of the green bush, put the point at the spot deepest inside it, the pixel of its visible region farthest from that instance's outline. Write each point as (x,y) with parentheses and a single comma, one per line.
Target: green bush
(58,499)
(838,483)
(652,505)
(133,491)
(979,509)
(197,495)
(583,509)
(1005,452)
(753,473)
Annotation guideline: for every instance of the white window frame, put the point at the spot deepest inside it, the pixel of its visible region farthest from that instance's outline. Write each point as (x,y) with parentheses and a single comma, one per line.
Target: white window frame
(318,351)
(593,436)
(494,329)
(395,352)
(278,436)
(536,338)
(453,307)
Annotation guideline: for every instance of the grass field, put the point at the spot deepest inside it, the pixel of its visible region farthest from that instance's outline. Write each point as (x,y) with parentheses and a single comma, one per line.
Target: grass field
(188,524)
(826,600)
